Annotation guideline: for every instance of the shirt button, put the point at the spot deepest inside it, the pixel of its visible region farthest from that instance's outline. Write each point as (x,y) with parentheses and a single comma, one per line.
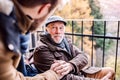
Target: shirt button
(13,21)
(11,47)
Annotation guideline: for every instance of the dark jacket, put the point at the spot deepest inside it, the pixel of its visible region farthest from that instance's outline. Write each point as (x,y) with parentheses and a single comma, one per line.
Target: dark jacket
(46,53)
(10,31)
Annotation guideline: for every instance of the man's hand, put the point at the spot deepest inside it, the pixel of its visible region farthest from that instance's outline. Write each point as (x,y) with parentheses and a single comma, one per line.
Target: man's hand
(61,67)
(53,66)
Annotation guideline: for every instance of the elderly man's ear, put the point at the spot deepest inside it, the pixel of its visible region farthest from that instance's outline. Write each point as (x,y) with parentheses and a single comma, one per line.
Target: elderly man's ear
(44,9)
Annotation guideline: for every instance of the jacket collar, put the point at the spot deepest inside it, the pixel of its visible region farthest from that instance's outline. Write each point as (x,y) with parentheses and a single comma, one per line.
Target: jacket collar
(44,41)
(52,47)
(6,6)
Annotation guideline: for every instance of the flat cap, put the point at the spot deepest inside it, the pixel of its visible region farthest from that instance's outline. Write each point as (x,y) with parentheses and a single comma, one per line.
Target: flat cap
(55,19)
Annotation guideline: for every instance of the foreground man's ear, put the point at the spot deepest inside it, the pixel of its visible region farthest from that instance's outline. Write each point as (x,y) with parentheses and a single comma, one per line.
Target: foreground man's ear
(44,9)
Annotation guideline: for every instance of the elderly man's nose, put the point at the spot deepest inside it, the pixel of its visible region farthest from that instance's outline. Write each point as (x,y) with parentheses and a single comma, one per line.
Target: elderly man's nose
(58,30)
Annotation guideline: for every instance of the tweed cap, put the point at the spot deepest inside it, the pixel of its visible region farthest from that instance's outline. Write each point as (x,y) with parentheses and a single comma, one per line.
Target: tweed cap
(55,19)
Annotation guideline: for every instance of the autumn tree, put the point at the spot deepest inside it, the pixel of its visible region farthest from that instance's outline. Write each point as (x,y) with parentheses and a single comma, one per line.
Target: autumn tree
(99,26)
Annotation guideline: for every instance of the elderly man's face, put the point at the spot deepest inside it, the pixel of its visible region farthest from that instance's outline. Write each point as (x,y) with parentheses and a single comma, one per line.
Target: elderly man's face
(56,30)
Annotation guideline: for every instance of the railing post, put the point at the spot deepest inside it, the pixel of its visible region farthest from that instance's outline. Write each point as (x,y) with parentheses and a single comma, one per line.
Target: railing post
(82,37)
(117,46)
(73,32)
(103,60)
(92,44)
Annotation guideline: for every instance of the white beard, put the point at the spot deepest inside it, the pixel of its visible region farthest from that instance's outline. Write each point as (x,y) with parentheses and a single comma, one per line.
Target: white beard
(58,41)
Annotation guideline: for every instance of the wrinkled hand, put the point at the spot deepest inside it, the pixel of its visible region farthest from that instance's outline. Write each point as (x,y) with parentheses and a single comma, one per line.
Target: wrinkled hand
(62,67)
(52,68)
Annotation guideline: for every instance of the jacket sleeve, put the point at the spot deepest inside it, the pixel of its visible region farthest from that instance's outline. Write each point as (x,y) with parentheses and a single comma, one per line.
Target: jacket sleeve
(43,58)
(8,61)
(80,59)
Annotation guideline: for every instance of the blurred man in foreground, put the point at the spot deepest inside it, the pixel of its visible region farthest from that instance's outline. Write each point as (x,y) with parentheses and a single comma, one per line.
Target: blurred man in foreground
(20,17)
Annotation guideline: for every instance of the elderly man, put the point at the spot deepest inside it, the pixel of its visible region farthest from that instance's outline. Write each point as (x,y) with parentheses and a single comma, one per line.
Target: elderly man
(69,61)
(18,17)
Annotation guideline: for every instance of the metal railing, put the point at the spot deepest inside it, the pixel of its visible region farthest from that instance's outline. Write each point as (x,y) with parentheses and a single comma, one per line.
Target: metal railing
(102,36)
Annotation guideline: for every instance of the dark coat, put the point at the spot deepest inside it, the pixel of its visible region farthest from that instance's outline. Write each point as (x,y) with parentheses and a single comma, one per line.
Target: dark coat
(46,53)
(12,33)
